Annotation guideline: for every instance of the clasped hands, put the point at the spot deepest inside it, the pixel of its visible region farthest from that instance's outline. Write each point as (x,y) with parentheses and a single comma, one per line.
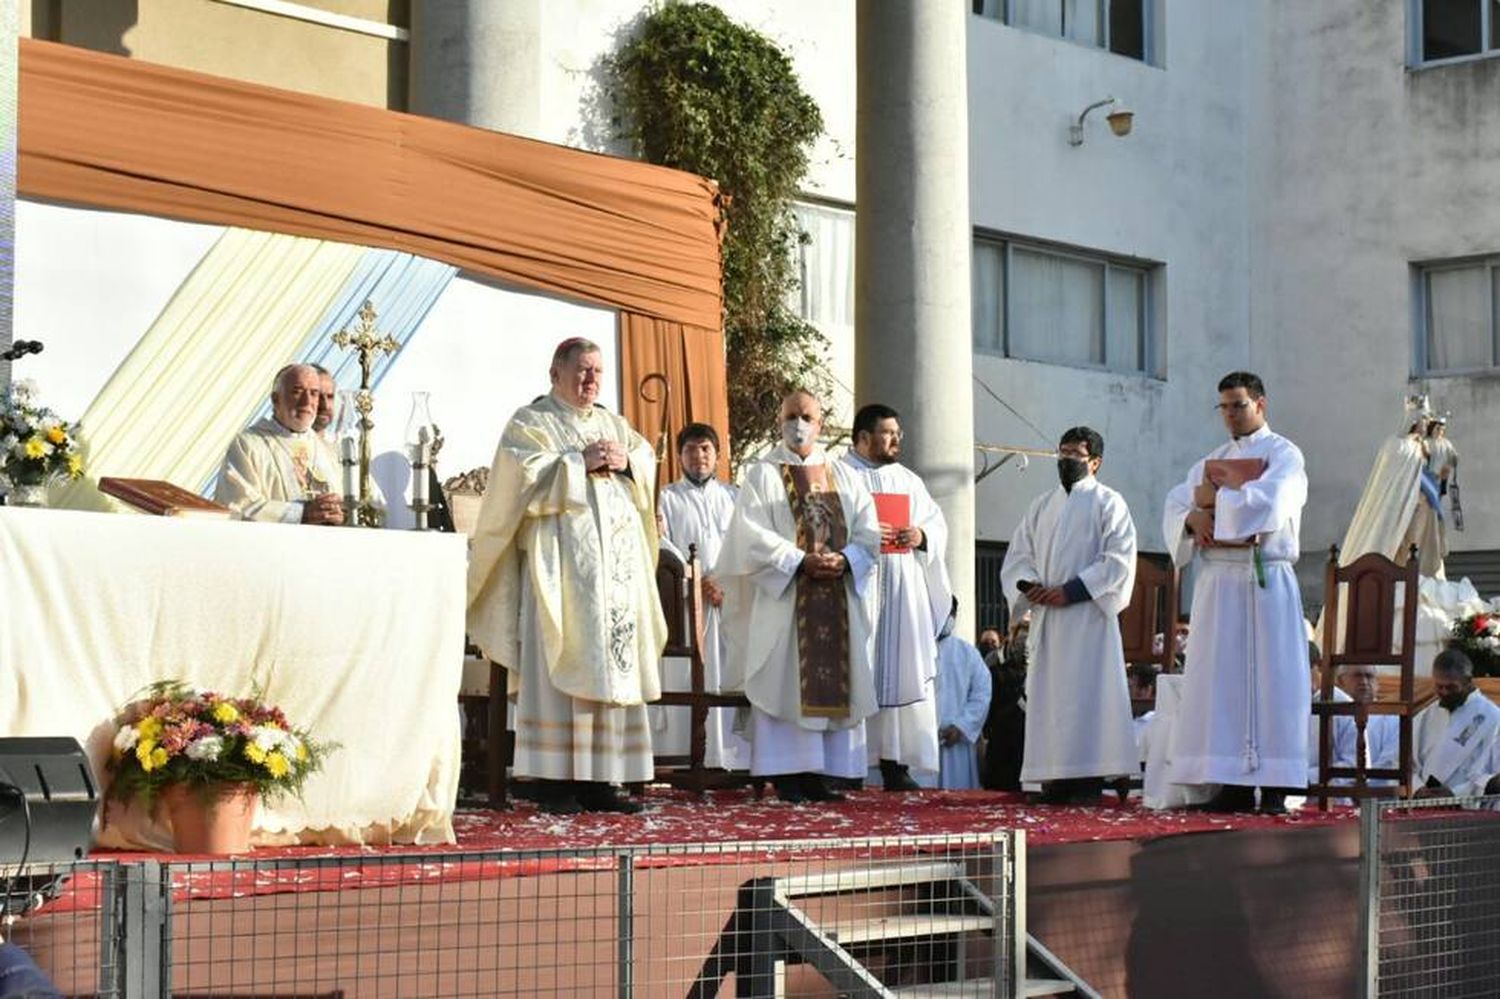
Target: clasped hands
(1200,522)
(325,508)
(824,565)
(605,456)
(1046,596)
(901,537)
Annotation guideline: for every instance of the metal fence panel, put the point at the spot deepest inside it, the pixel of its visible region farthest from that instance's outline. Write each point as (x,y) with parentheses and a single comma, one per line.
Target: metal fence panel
(929,915)
(1431,922)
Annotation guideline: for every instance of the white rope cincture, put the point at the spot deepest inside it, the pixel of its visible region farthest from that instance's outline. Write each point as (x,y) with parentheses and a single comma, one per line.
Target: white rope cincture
(1252,745)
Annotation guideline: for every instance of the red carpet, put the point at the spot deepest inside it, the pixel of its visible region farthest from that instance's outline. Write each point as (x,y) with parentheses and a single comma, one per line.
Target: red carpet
(673,817)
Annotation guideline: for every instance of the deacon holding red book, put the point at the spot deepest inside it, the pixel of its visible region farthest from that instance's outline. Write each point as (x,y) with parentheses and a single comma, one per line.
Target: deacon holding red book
(909,601)
(1242,723)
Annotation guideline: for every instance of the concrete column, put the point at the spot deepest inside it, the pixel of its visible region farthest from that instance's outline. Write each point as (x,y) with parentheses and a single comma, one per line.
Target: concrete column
(9,52)
(478,62)
(912,247)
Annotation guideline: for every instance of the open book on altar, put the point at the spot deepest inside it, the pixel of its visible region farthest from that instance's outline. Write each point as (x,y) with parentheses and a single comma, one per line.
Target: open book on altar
(162,498)
(1233,473)
(893,509)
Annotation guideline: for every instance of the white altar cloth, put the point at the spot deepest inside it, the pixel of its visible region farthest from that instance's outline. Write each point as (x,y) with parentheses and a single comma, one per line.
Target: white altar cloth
(356,635)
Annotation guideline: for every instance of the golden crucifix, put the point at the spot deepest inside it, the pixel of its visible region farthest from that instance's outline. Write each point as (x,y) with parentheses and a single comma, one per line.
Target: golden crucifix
(369,344)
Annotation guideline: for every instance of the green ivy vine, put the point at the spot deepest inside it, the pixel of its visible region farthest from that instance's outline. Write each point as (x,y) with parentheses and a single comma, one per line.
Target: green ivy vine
(696,91)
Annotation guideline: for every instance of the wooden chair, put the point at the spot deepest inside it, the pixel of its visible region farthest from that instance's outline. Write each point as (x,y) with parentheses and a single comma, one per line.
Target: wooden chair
(1359,630)
(680,585)
(1152,611)
(489,751)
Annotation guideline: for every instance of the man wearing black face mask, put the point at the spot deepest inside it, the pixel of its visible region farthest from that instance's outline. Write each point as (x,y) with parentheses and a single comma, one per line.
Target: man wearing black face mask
(1455,742)
(1072,560)
(695,510)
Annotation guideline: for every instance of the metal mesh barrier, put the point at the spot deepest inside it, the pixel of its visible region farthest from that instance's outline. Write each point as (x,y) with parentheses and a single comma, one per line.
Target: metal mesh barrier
(1431,874)
(866,917)
(68,918)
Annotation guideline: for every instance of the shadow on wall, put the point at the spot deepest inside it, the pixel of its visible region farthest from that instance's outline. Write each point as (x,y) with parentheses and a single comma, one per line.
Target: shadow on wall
(599,128)
(86,23)
(397,56)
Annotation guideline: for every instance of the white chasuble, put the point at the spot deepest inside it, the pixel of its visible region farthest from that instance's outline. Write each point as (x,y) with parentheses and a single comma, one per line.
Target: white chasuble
(269,471)
(963,689)
(562,590)
(697,516)
(758,568)
(1460,749)
(1246,696)
(1078,720)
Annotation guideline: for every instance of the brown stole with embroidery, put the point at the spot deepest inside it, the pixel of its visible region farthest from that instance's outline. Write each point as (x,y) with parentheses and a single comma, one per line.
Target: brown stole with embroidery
(822,604)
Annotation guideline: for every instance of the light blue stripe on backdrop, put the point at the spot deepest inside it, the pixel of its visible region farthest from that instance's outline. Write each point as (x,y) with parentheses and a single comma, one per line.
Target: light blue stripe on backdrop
(401,287)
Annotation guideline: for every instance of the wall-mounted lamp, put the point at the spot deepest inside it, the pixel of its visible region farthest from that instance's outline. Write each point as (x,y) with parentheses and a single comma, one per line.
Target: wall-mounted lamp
(1120,120)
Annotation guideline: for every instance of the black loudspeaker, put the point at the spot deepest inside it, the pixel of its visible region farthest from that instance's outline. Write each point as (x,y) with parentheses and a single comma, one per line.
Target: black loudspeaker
(50,778)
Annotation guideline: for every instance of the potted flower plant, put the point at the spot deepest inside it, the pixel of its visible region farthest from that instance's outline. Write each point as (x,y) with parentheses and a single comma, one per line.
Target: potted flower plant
(36,446)
(1478,635)
(206,759)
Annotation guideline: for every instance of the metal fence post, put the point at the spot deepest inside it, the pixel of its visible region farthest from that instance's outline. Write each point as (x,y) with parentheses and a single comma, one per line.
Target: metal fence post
(145,913)
(625,924)
(1368,970)
(1016,986)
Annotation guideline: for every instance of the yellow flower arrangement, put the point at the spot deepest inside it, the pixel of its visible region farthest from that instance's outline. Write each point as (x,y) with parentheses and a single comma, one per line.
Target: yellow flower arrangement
(35,445)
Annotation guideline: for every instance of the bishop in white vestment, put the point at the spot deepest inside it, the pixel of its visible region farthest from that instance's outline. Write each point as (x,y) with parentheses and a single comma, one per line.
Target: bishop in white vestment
(963,696)
(696,511)
(1072,561)
(1246,697)
(799,552)
(562,589)
(280,469)
(1456,740)
(909,601)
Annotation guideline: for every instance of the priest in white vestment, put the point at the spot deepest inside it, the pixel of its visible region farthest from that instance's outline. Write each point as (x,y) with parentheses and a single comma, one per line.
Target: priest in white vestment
(799,552)
(1246,697)
(1072,561)
(695,513)
(909,601)
(280,469)
(963,704)
(1456,740)
(562,589)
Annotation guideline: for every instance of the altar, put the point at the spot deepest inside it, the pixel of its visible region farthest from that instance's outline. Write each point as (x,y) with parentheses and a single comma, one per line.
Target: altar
(357,635)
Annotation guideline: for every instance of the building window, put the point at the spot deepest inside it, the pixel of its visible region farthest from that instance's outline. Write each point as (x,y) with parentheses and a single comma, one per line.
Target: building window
(1063,306)
(1121,26)
(1445,30)
(1458,310)
(825,261)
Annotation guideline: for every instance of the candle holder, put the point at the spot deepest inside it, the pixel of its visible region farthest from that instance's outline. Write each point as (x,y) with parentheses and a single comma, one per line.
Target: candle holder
(367,343)
(421,450)
(347,436)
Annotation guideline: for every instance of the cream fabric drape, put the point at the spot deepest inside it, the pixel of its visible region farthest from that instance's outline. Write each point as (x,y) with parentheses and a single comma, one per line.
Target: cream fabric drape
(184,391)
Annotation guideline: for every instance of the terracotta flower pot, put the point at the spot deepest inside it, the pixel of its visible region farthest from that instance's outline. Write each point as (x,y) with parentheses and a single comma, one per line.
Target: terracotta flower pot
(216,823)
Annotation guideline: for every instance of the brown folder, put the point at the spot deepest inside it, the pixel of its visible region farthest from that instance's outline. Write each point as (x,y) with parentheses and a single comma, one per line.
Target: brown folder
(162,498)
(1233,473)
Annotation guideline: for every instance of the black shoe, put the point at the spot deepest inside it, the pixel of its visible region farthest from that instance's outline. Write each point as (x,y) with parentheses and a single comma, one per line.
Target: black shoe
(815,788)
(1273,800)
(789,788)
(1086,791)
(556,797)
(597,796)
(1121,787)
(1054,792)
(1231,799)
(894,777)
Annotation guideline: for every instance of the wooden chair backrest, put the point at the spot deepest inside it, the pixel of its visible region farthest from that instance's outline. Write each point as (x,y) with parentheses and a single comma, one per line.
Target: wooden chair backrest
(1360,620)
(1152,611)
(681,594)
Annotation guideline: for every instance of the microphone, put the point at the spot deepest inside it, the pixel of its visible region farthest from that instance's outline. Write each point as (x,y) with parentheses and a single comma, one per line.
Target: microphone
(20,349)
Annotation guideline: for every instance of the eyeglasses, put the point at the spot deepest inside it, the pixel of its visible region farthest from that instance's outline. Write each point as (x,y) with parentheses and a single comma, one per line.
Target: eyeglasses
(1233,407)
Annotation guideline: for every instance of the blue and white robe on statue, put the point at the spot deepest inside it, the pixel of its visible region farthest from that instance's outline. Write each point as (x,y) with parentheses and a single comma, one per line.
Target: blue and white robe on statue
(1461,749)
(963,701)
(1078,721)
(1246,698)
(908,600)
(699,515)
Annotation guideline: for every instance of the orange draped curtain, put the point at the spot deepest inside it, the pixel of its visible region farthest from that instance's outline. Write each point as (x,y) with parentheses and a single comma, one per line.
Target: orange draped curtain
(102,130)
(691,359)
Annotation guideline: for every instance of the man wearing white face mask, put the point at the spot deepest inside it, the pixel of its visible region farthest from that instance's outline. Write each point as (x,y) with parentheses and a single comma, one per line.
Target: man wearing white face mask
(794,565)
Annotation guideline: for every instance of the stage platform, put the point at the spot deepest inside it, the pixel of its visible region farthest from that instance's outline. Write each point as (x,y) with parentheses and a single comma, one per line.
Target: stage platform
(1138,903)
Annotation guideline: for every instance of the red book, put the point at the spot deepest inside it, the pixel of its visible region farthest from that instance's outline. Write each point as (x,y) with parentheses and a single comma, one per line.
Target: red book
(162,498)
(893,509)
(1233,473)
